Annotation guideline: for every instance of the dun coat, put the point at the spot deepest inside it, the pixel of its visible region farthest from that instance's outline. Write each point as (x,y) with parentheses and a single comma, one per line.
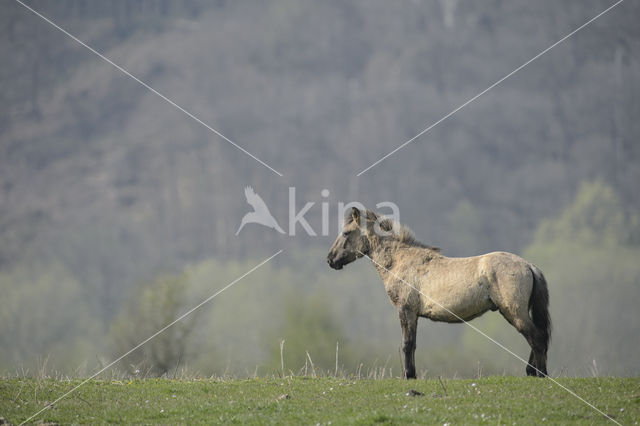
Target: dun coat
(421,282)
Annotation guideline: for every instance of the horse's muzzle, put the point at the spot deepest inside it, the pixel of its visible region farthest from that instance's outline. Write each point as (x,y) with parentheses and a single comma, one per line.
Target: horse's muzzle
(334,265)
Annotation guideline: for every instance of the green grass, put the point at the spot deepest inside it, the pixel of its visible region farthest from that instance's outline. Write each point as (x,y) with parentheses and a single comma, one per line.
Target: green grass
(492,400)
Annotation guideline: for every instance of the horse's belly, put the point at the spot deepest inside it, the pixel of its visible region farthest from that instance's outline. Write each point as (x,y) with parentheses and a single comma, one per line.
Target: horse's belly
(458,304)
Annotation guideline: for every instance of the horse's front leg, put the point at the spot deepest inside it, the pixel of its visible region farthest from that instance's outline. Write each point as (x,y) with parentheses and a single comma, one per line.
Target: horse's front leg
(409,324)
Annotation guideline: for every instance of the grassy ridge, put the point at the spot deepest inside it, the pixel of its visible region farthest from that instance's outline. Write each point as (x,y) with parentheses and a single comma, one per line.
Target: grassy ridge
(301,400)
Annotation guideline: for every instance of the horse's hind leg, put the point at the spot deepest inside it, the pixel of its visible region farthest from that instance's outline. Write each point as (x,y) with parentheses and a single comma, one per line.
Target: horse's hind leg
(541,356)
(538,359)
(531,369)
(520,319)
(409,324)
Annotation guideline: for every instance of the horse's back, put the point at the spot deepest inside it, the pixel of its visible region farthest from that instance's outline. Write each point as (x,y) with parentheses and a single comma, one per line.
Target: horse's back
(490,266)
(502,262)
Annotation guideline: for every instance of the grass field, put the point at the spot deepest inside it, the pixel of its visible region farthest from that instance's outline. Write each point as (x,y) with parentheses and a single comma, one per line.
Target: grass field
(303,400)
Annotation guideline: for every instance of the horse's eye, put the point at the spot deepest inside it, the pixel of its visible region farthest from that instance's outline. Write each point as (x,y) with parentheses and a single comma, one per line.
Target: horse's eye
(345,234)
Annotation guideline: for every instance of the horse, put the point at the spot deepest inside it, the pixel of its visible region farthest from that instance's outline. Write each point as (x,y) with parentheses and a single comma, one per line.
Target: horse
(421,282)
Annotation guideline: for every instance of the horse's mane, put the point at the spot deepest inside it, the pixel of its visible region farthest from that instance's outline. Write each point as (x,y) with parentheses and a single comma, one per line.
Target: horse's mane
(399,232)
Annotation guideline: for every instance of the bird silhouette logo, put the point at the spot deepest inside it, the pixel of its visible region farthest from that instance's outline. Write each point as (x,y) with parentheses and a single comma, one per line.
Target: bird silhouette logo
(260,214)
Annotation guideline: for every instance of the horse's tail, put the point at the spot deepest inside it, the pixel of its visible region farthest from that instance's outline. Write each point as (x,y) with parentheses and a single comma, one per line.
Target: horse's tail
(539,305)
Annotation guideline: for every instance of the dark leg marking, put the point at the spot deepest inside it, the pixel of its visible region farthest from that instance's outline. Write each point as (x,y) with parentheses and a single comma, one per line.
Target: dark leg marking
(409,324)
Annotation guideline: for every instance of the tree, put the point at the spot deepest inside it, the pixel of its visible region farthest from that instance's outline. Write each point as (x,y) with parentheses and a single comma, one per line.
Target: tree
(310,326)
(595,217)
(154,305)
(44,317)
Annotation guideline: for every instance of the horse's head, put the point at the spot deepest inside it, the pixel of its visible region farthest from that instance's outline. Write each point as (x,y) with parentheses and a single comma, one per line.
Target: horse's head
(353,241)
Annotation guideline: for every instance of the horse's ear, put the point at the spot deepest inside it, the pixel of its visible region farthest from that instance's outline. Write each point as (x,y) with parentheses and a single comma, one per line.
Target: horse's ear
(355,215)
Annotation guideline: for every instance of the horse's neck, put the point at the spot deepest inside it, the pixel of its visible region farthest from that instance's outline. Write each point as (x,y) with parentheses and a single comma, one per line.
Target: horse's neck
(384,253)
(391,257)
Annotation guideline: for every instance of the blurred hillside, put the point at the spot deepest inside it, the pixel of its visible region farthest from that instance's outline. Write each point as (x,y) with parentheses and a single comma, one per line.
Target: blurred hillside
(104,186)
